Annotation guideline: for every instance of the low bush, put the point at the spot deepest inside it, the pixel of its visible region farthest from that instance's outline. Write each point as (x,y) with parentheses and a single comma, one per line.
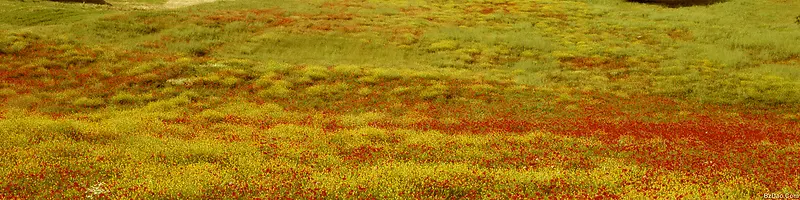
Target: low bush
(7,92)
(89,102)
(212,115)
(279,89)
(23,101)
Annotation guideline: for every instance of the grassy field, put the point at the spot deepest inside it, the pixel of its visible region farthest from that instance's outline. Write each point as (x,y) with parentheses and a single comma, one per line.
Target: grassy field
(399,99)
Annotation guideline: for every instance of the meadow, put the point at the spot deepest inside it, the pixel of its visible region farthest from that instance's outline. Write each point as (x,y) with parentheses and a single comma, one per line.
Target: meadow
(399,99)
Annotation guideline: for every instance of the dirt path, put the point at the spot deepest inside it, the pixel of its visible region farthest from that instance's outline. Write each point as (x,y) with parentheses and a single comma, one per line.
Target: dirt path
(172,4)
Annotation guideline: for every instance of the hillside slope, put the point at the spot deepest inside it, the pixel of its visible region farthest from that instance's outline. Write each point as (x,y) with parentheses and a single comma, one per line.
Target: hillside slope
(491,99)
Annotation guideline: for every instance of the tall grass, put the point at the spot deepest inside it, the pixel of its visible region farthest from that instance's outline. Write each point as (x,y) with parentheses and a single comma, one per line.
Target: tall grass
(397,99)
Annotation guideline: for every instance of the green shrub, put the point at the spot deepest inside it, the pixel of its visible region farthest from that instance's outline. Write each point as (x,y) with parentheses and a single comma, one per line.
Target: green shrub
(7,92)
(88,102)
(292,132)
(348,70)
(788,72)
(349,139)
(145,68)
(14,47)
(770,44)
(262,83)
(236,27)
(532,66)
(230,81)
(277,90)
(38,129)
(212,115)
(388,73)
(14,42)
(182,81)
(430,75)
(198,49)
(401,90)
(251,110)
(444,45)
(69,129)
(316,72)
(177,151)
(121,26)
(328,90)
(133,122)
(361,119)
(367,80)
(364,91)
(124,98)
(728,88)
(434,91)
(150,78)
(526,40)
(484,89)
(169,104)
(272,66)
(33,128)
(24,101)
(727,57)
(193,32)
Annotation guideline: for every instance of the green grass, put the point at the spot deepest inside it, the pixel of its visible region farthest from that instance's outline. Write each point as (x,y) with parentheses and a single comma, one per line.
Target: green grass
(398,99)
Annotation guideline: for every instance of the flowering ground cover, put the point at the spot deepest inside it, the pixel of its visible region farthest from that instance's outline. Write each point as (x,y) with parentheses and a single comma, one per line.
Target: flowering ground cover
(362,99)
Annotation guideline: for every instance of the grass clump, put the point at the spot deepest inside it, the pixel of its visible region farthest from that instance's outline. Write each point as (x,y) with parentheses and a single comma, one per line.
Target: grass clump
(24,101)
(328,91)
(13,44)
(252,110)
(124,98)
(316,72)
(787,72)
(348,70)
(7,92)
(500,99)
(361,119)
(279,89)
(444,45)
(434,91)
(169,104)
(212,115)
